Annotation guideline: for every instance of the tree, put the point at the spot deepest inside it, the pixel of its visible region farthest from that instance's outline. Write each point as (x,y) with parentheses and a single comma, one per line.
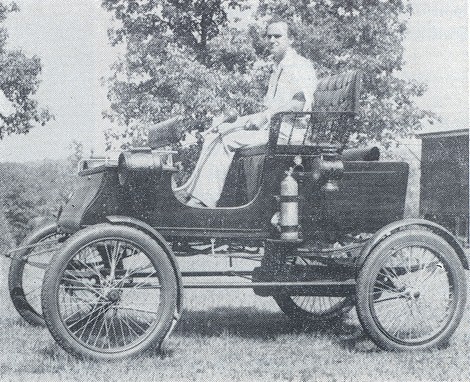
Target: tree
(6,238)
(19,80)
(183,56)
(76,153)
(33,190)
(366,35)
(18,209)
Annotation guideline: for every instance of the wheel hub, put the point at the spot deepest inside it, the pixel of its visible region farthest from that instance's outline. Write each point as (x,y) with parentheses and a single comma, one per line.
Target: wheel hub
(411,294)
(113,295)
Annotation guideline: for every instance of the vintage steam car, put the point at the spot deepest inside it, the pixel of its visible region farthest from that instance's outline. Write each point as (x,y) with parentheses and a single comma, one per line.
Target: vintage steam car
(324,225)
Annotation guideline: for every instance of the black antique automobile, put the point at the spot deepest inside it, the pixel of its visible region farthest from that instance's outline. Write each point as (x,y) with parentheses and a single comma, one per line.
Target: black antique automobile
(324,225)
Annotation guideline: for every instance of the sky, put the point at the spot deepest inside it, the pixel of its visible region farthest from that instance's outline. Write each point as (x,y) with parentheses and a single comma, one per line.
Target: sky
(70,37)
(436,53)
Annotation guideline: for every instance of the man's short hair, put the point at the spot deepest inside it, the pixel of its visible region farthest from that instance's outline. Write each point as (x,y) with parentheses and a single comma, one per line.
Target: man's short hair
(278,19)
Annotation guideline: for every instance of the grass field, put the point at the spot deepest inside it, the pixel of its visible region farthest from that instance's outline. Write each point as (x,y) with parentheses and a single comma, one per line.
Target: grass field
(233,335)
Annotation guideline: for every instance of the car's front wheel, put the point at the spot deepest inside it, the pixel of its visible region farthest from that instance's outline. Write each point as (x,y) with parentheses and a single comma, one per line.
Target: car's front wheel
(111,293)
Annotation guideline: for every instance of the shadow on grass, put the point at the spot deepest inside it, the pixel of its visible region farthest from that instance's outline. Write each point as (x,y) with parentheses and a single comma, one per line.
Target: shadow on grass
(264,325)
(15,320)
(256,324)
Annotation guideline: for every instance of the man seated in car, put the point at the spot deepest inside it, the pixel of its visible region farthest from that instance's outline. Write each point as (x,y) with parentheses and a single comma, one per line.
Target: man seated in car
(292,75)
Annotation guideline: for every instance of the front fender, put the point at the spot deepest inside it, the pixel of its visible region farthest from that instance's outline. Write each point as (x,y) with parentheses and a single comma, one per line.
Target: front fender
(149,230)
(96,194)
(401,224)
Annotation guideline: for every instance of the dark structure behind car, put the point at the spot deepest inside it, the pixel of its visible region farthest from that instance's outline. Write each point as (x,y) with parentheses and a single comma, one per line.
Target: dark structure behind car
(444,180)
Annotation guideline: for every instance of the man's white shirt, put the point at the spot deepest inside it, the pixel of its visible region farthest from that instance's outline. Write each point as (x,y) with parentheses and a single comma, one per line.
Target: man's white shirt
(293,74)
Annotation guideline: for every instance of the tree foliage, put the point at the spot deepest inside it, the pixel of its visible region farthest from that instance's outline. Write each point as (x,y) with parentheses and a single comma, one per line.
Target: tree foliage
(182,57)
(367,35)
(30,190)
(187,57)
(19,80)
(18,210)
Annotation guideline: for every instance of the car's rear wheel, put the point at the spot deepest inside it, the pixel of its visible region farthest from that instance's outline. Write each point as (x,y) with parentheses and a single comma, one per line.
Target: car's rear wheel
(411,291)
(27,269)
(314,308)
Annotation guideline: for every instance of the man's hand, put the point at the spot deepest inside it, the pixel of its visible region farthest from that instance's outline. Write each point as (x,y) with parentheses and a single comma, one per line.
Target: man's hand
(256,121)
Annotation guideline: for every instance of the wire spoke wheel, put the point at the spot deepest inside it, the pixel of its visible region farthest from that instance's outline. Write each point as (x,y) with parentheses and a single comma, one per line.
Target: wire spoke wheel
(113,293)
(411,291)
(313,308)
(27,270)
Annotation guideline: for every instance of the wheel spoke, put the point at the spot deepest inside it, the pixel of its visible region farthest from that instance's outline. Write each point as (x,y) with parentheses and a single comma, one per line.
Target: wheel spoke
(313,308)
(90,318)
(136,309)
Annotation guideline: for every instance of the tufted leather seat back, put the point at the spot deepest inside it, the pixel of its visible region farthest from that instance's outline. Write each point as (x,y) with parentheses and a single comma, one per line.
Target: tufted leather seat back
(338,93)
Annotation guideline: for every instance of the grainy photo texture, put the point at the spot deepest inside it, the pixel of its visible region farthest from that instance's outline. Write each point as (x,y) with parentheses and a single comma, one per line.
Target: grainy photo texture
(234,190)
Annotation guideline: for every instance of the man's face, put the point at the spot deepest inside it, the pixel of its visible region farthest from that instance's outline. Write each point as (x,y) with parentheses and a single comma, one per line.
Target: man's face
(278,40)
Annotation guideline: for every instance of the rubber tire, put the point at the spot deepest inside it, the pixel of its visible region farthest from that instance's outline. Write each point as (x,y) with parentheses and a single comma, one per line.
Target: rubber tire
(298,314)
(16,273)
(58,264)
(372,265)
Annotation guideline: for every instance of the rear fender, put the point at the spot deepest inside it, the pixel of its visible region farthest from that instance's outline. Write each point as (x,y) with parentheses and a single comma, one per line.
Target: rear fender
(135,223)
(403,224)
(43,230)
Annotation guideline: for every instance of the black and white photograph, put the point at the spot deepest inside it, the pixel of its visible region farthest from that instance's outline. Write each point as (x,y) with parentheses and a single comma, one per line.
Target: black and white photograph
(234,190)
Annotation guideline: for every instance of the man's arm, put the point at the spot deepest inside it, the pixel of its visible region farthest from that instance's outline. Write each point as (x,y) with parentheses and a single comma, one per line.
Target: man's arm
(260,119)
(294,93)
